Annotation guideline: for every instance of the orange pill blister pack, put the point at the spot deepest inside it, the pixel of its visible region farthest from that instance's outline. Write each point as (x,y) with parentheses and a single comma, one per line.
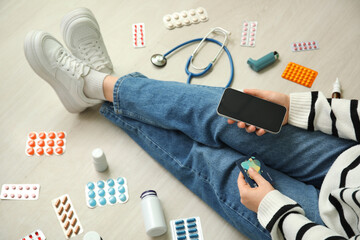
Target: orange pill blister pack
(45,143)
(299,74)
(67,216)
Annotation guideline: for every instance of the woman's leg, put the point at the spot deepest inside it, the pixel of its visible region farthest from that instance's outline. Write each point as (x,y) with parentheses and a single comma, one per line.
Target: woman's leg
(210,172)
(191,109)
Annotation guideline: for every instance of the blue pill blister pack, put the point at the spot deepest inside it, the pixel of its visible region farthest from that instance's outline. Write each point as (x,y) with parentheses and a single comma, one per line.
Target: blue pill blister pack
(186,229)
(105,192)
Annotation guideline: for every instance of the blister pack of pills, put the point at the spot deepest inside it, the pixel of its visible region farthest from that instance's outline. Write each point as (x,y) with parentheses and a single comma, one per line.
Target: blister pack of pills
(65,212)
(138,31)
(20,191)
(185,18)
(111,191)
(186,229)
(304,46)
(248,33)
(299,74)
(43,143)
(36,235)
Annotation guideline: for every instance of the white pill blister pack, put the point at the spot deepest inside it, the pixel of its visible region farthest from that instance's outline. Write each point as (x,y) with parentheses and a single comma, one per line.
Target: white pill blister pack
(248,34)
(20,191)
(185,18)
(36,235)
(109,192)
(186,229)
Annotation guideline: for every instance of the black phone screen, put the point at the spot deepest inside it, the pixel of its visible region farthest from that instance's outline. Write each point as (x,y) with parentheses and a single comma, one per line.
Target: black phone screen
(243,107)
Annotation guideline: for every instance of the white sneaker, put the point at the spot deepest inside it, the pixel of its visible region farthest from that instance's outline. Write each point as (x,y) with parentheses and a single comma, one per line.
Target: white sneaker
(82,36)
(52,62)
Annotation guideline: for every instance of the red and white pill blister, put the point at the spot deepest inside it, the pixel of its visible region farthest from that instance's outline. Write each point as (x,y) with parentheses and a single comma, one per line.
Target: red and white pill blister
(185,18)
(248,34)
(304,46)
(68,219)
(45,143)
(138,31)
(36,235)
(20,191)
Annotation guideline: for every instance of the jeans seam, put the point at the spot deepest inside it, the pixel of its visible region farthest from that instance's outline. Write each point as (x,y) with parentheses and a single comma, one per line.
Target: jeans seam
(211,87)
(116,101)
(118,84)
(184,166)
(115,116)
(139,117)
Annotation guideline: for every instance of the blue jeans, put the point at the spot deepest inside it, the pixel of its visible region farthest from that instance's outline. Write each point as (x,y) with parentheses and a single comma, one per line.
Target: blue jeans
(178,126)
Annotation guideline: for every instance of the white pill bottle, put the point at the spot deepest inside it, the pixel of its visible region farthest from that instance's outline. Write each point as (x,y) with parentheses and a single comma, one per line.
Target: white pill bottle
(92,236)
(99,160)
(153,214)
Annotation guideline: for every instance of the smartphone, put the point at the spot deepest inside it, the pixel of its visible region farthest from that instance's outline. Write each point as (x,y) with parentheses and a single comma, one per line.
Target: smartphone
(243,107)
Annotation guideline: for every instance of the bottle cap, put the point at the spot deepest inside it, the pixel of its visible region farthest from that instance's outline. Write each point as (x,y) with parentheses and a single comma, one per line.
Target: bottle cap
(148,193)
(99,160)
(336,86)
(92,236)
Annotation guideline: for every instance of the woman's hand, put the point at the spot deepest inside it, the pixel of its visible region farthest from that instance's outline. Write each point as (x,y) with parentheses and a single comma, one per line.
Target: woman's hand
(251,197)
(271,96)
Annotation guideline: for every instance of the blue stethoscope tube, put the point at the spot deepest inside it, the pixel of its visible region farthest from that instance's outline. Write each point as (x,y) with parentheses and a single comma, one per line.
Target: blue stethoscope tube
(190,74)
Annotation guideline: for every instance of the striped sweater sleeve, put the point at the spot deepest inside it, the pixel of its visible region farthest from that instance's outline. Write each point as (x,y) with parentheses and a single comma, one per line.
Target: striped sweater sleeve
(285,219)
(338,117)
(340,204)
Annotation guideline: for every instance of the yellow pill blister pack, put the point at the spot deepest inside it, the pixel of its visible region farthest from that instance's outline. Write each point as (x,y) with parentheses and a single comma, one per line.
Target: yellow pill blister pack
(299,74)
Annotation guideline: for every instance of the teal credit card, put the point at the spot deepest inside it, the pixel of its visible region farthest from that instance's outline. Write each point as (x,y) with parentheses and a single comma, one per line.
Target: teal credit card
(253,161)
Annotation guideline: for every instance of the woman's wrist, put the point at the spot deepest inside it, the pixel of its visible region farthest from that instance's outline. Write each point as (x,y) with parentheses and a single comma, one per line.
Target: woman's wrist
(299,109)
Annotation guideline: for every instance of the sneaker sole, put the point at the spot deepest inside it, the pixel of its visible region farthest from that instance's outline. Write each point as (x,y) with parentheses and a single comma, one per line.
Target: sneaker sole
(30,53)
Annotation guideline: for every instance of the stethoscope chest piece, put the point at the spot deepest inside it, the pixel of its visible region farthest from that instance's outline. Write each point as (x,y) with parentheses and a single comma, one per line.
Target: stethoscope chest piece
(158,60)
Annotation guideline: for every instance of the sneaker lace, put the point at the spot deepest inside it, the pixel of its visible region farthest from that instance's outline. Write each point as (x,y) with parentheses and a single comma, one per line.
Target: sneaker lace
(93,54)
(70,63)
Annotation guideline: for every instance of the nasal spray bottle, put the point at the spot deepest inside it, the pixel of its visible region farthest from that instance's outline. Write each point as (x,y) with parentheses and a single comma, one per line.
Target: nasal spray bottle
(336,89)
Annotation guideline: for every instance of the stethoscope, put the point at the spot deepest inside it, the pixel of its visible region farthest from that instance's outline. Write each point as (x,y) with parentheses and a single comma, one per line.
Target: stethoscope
(160,60)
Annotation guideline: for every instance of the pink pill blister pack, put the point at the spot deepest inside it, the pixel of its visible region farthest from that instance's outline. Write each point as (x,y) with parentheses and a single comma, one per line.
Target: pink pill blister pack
(20,191)
(304,46)
(36,235)
(45,143)
(248,34)
(138,31)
